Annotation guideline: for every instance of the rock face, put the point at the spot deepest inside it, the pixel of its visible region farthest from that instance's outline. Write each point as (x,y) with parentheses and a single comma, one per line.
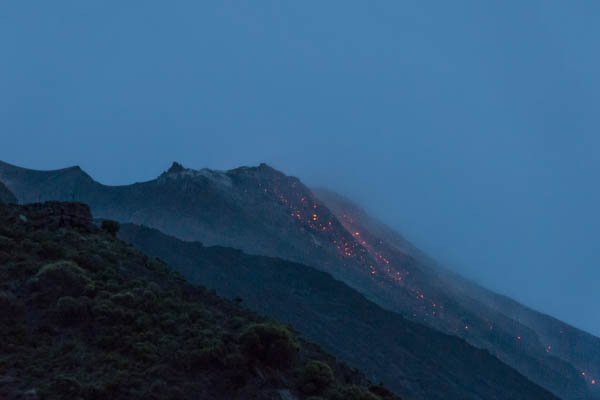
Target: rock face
(51,215)
(262,211)
(6,195)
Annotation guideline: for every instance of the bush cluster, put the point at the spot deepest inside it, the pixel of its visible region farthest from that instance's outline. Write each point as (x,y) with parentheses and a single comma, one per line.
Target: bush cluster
(89,317)
(270,343)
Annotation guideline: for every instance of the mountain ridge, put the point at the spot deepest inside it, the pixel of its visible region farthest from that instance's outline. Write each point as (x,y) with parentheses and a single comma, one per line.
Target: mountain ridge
(265,212)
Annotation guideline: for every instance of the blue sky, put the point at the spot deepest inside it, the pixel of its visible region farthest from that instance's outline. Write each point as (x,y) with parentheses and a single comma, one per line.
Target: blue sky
(472,127)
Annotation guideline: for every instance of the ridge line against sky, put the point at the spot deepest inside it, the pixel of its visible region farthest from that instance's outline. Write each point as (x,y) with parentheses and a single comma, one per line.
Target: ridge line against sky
(434,259)
(470,127)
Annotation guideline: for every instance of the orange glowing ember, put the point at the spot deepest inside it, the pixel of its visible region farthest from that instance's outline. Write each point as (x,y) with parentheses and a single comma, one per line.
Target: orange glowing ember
(593,381)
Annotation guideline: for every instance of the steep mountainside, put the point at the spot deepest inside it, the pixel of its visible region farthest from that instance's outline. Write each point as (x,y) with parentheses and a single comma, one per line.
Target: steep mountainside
(85,316)
(544,336)
(262,211)
(6,195)
(415,361)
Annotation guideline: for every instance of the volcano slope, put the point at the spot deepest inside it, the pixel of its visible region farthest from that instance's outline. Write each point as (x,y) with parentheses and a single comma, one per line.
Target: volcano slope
(411,359)
(262,211)
(86,316)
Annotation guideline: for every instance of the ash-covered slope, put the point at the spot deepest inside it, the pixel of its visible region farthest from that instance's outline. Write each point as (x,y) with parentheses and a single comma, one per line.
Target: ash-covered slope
(415,361)
(539,341)
(262,211)
(85,316)
(6,196)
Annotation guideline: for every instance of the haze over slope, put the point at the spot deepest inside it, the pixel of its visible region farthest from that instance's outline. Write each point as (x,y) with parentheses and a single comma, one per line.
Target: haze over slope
(260,210)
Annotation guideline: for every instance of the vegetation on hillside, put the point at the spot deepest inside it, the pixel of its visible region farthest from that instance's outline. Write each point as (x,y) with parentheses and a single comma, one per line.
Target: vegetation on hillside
(85,315)
(262,211)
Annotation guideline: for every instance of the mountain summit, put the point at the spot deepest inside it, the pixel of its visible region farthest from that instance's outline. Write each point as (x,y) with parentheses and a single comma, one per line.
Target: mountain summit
(175,168)
(262,211)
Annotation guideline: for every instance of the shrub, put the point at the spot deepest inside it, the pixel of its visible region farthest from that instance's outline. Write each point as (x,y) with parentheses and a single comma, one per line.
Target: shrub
(8,303)
(89,260)
(316,377)
(155,288)
(126,299)
(70,310)
(143,322)
(235,323)
(52,250)
(234,361)
(64,387)
(109,314)
(63,278)
(168,323)
(149,300)
(144,351)
(381,391)
(111,227)
(270,343)
(209,355)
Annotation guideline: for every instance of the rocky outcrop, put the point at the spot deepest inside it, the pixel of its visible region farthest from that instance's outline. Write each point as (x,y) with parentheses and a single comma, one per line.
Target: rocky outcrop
(51,215)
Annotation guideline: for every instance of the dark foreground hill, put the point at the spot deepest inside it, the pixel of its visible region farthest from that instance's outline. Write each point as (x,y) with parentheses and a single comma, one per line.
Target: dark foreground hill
(262,211)
(411,359)
(85,316)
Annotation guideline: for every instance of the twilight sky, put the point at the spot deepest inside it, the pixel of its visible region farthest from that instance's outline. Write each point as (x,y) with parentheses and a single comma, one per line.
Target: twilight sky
(471,127)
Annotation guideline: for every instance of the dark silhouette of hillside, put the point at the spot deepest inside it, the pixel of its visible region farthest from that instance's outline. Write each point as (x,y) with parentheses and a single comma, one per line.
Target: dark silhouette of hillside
(85,316)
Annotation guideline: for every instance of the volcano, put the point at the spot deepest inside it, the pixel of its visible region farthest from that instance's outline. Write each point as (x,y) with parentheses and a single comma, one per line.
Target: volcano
(262,211)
